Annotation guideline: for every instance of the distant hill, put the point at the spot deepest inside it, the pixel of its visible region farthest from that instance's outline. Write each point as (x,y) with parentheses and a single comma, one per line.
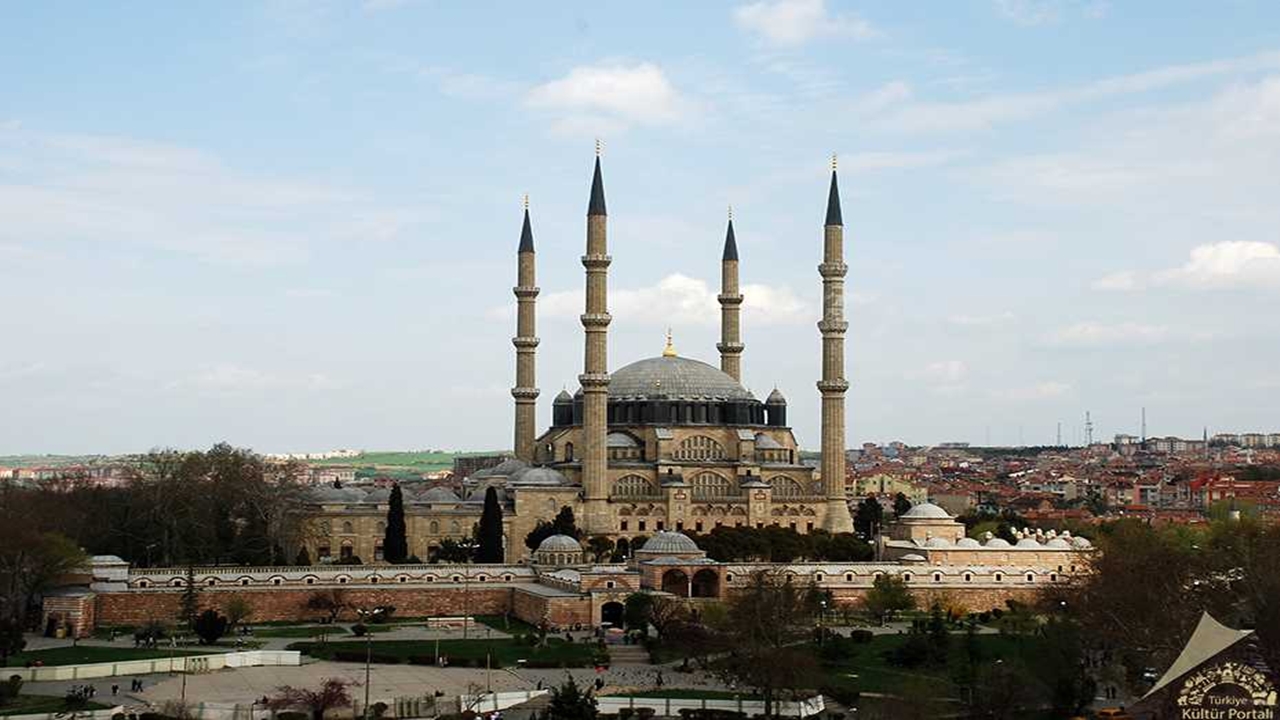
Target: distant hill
(50,460)
(411,460)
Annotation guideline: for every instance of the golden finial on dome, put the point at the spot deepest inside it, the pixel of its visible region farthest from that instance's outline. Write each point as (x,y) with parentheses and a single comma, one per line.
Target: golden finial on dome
(670,349)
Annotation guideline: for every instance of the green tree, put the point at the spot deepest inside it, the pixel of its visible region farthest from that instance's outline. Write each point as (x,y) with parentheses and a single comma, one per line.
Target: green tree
(637,610)
(190,607)
(900,505)
(210,625)
(11,640)
(562,524)
(762,623)
(333,693)
(600,547)
(456,551)
(887,597)
(569,702)
(489,530)
(238,610)
(868,518)
(395,542)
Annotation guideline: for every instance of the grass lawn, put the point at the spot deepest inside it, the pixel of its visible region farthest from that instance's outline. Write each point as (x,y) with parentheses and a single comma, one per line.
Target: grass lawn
(36,704)
(84,654)
(410,461)
(505,652)
(304,631)
(509,625)
(866,669)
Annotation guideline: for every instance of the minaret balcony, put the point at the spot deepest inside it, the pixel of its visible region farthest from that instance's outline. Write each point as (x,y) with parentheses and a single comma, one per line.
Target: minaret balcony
(833,269)
(601,320)
(838,386)
(834,327)
(525,342)
(729,299)
(730,348)
(596,381)
(525,393)
(596,261)
(526,291)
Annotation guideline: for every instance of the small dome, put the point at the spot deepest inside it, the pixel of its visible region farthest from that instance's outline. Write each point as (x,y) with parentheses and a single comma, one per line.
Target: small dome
(1058,544)
(439,494)
(506,468)
(380,495)
(539,476)
(559,543)
(766,442)
(937,542)
(671,543)
(968,542)
(1081,543)
(998,543)
(926,511)
(913,557)
(564,398)
(776,398)
(331,494)
(620,440)
(1029,543)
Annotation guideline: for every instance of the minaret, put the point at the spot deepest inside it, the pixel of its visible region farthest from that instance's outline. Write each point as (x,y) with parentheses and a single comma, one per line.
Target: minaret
(595,371)
(730,345)
(833,384)
(526,342)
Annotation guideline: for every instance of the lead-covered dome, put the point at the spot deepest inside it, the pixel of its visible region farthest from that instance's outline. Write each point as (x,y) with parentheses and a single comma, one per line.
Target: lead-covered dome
(674,378)
(926,511)
(669,543)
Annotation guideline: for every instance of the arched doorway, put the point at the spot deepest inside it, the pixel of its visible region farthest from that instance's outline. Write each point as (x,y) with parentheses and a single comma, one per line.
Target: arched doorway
(706,584)
(611,613)
(676,583)
(621,550)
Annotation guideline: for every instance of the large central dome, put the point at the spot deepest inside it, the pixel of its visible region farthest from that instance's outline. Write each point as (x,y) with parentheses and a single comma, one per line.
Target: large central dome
(674,378)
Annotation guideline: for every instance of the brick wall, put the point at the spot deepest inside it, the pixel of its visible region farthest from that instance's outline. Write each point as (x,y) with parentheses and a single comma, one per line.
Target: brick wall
(138,607)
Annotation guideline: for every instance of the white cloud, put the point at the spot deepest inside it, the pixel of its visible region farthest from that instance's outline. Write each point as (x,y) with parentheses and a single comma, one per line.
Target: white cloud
(981,320)
(986,112)
(611,95)
(1038,391)
(1099,334)
(230,379)
(794,22)
(1121,281)
(1049,12)
(1227,264)
(887,95)
(677,299)
(946,372)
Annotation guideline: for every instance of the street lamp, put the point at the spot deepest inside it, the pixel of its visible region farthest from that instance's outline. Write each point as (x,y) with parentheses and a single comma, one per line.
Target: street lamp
(368,655)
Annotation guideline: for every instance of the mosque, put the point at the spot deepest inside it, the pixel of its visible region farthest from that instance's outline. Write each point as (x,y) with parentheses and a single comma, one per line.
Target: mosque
(666,443)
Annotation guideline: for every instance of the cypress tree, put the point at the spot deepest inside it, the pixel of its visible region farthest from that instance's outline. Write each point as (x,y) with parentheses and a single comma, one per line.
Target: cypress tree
(489,531)
(395,545)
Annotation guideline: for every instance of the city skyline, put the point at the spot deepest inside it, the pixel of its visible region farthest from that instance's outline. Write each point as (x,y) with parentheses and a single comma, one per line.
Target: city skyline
(299,232)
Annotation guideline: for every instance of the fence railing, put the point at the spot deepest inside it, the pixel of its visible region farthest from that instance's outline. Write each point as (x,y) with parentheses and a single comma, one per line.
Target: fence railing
(671,707)
(174,663)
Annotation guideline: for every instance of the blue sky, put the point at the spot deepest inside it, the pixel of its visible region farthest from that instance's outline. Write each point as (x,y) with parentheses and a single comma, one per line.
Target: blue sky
(291,225)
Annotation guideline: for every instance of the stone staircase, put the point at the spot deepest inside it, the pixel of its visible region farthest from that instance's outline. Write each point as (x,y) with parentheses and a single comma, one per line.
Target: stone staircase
(628,655)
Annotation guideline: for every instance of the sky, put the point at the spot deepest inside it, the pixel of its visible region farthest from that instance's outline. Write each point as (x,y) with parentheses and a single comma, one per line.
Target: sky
(291,225)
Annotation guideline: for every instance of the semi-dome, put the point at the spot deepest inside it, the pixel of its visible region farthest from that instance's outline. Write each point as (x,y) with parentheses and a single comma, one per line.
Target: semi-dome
(506,468)
(766,442)
(673,377)
(672,543)
(926,511)
(620,440)
(559,543)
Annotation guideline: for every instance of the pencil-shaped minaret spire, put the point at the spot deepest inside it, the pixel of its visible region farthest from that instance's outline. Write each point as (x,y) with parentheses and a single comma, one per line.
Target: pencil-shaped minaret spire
(595,371)
(730,345)
(833,384)
(526,341)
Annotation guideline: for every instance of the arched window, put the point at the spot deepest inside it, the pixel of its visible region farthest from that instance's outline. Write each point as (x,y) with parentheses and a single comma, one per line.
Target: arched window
(347,527)
(785,487)
(710,486)
(906,577)
(634,486)
(434,528)
(700,447)
(454,528)
(568,452)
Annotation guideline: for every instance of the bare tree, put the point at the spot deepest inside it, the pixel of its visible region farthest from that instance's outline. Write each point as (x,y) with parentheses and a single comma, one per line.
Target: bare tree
(333,693)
